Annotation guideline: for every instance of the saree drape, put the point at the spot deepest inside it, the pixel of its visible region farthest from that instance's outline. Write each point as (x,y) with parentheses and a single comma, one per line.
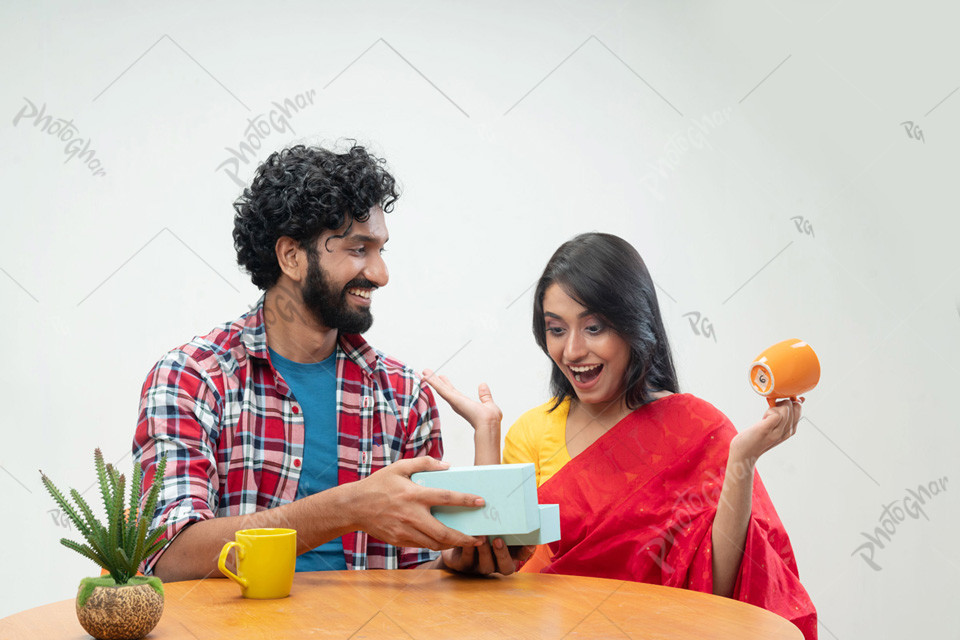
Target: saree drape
(639,505)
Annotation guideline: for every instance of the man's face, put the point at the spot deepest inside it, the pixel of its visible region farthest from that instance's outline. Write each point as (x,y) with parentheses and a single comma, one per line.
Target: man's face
(343,272)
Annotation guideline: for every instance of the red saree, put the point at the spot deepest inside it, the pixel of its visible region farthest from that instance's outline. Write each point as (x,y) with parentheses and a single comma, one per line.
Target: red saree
(639,504)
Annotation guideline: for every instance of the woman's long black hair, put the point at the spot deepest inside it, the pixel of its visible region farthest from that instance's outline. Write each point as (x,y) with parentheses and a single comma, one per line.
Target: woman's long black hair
(606,275)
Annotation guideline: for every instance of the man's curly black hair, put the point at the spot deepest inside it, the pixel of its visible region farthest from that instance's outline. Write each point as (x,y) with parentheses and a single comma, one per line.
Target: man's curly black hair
(299,192)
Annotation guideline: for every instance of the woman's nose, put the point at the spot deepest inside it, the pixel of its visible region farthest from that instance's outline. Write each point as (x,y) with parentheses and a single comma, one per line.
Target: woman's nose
(575,348)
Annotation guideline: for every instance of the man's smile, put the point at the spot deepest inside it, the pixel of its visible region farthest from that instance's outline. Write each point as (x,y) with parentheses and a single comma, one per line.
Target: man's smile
(362,296)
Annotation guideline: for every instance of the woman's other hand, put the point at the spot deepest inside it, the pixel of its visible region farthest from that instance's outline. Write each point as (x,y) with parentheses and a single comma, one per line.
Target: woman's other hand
(482,413)
(488,558)
(777,424)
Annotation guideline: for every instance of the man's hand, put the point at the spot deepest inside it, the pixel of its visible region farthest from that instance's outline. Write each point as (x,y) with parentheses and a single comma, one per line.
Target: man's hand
(484,560)
(392,508)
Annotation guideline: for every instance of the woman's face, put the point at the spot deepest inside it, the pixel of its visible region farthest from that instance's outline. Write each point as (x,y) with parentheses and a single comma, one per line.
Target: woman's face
(592,355)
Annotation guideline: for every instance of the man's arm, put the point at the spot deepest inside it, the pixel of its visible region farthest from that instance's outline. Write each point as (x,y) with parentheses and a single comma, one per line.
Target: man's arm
(194,552)
(180,418)
(386,504)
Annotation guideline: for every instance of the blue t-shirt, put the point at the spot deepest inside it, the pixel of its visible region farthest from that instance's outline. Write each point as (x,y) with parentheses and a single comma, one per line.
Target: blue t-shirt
(314,385)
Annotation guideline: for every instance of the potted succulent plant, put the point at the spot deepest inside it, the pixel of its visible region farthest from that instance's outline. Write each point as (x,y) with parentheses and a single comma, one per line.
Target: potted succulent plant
(120,604)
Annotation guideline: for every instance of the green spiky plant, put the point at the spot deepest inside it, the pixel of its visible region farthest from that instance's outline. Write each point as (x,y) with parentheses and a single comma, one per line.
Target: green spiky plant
(126,539)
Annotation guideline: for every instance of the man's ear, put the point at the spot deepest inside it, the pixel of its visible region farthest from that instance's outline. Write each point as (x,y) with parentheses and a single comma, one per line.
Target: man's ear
(292,258)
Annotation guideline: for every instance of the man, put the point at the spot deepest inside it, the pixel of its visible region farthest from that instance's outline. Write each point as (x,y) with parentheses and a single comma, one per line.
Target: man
(286,417)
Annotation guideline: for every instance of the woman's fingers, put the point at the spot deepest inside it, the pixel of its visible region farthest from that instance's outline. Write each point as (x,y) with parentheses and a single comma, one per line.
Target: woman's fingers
(431,380)
(435,381)
(779,422)
(483,392)
(773,418)
(486,399)
(788,412)
(466,558)
(475,412)
(443,386)
(526,553)
(501,552)
(485,563)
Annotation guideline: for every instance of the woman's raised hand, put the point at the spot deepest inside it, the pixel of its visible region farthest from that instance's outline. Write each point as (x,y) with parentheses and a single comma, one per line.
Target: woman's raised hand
(777,424)
(482,413)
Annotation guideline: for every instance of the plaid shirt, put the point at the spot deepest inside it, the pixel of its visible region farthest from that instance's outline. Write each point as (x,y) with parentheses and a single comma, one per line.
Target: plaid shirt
(233,433)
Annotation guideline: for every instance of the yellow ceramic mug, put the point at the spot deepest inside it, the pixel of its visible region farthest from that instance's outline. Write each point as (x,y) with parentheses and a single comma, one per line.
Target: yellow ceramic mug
(266,561)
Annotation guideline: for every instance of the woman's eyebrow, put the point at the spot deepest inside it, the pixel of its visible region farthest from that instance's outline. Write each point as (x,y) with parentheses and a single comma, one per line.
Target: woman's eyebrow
(583,314)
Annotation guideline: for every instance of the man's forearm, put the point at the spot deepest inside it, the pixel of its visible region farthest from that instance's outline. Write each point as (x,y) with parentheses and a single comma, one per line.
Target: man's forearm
(193,554)
(436,563)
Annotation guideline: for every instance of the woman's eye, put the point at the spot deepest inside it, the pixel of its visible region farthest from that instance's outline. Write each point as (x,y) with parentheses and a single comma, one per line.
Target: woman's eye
(595,328)
(360,250)
(556,331)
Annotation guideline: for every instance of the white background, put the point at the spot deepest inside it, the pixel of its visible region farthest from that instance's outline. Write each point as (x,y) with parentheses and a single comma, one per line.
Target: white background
(513,127)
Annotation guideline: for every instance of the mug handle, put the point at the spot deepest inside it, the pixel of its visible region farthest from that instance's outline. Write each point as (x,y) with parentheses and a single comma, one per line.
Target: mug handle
(773,401)
(222,563)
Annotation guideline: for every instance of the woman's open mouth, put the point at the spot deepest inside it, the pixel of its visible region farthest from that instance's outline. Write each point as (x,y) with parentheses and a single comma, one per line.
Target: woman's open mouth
(586,374)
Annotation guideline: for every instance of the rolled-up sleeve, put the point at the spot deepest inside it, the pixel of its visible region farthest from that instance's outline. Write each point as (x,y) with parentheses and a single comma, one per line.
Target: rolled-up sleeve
(180,410)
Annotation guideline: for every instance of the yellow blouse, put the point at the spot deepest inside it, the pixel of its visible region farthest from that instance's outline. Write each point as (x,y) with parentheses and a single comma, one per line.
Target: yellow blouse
(539,436)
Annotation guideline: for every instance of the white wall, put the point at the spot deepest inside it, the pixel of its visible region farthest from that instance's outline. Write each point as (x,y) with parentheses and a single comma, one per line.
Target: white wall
(513,127)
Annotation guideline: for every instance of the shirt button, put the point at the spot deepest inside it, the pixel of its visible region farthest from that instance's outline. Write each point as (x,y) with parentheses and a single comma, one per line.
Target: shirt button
(295,409)
(296,462)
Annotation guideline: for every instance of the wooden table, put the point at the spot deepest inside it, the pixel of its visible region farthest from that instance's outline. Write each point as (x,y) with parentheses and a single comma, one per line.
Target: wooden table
(432,605)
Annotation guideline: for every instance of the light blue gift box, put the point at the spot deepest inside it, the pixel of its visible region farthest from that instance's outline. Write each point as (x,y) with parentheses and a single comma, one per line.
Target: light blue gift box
(549,530)
(509,490)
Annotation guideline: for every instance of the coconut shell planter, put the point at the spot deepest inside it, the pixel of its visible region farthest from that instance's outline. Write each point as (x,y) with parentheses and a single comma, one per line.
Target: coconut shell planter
(121,604)
(126,612)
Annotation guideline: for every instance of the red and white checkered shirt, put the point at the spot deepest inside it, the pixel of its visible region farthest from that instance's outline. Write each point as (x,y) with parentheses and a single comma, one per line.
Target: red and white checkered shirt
(233,433)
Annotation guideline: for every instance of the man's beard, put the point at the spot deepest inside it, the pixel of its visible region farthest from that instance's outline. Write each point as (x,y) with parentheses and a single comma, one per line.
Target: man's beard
(330,307)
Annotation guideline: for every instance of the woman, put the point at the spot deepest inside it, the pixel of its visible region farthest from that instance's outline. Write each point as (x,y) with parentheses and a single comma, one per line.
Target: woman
(653,485)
